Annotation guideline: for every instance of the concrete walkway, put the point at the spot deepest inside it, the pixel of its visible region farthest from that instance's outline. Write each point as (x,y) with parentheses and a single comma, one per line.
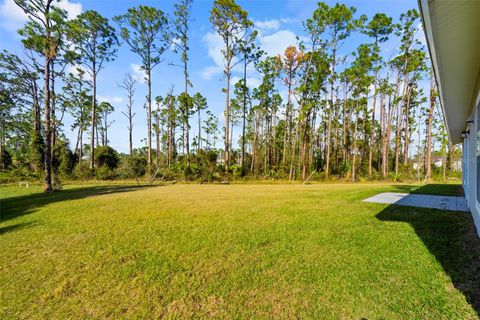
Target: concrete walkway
(421,200)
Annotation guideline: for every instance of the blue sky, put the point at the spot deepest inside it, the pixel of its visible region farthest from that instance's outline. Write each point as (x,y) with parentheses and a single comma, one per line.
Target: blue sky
(279,22)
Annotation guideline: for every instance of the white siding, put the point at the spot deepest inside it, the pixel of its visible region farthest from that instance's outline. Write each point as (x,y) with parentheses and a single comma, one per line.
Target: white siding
(471,162)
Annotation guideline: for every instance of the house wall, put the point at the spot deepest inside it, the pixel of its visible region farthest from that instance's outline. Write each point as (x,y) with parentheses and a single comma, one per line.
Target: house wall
(471,164)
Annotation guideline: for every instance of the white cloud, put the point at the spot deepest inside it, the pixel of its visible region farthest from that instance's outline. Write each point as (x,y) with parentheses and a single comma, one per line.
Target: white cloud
(276,43)
(214,45)
(290,20)
(114,100)
(73,9)
(209,72)
(138,73)
(74,70)
(420,35)
(173,45)
(272,44)
(252,82)
(13,18)
(272,24)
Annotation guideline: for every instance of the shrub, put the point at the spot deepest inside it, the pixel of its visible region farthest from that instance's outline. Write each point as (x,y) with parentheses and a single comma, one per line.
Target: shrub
(36,152)
(132,167)
(56,183)
(6,160)
(106,156)
(104,173)
(82,171)
(237,170)
(63,160)
(344,169)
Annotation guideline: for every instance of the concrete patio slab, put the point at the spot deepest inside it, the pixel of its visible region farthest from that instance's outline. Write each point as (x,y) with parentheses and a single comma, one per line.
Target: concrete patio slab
(421,200)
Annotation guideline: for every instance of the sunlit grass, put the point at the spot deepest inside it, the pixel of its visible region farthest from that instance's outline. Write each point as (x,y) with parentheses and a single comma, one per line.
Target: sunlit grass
(230,251)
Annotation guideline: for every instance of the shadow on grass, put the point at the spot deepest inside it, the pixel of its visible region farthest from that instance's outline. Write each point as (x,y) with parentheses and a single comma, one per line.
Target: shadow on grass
(21,205)
(451,237)
(18,226)
(441,190)
(455,190)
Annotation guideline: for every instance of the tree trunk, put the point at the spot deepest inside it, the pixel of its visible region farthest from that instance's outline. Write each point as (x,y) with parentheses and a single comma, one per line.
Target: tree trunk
(157,136)
(451,155)
(294,149)
(332,84)
(106,129)
(431,110)
(81,147)
(244,112)
(227,122)
(2,132)
(149,119)
(397,138)
(407,128)
(418,146)
(94,111)
(187,111)
(130,144)
(53,99)
(48,130)
(344,133)
(199,142)
(354,145)
(372,129)
(78,139)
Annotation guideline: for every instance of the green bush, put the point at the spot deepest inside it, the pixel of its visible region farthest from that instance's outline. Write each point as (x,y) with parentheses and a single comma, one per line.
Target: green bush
(36,152)
(237,170)
(132,167)
(6,160)
(63,159)
(82,171)
(344,169)
(106,156)
(104,173)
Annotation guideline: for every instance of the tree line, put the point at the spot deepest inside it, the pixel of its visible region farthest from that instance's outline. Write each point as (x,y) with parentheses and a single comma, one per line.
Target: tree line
(347,115)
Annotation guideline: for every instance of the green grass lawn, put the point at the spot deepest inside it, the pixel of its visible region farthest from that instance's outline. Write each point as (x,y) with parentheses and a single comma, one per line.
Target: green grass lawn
(234,251)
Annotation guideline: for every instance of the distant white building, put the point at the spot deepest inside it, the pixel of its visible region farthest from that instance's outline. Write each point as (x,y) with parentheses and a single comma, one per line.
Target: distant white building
(437,162)
(452,29)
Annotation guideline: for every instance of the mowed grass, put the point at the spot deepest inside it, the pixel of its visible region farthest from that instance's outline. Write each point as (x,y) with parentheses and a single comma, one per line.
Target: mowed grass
(233,252)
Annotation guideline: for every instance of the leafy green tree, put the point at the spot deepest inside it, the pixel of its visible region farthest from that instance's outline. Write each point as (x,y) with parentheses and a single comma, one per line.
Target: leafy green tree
(64,158)
(44,33)
(433,96)
(96,43)
(211,129)
(77,99)
(199,104)
(406,62)
(170,116)
(337,23)
(21,76)
(7,105)
(106,156)
(361,79)
(105,109)
(145,30)
(36,151)
(231,23)
(181,21)
(379,29)
(289,63)
(250,53)
(186,110)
